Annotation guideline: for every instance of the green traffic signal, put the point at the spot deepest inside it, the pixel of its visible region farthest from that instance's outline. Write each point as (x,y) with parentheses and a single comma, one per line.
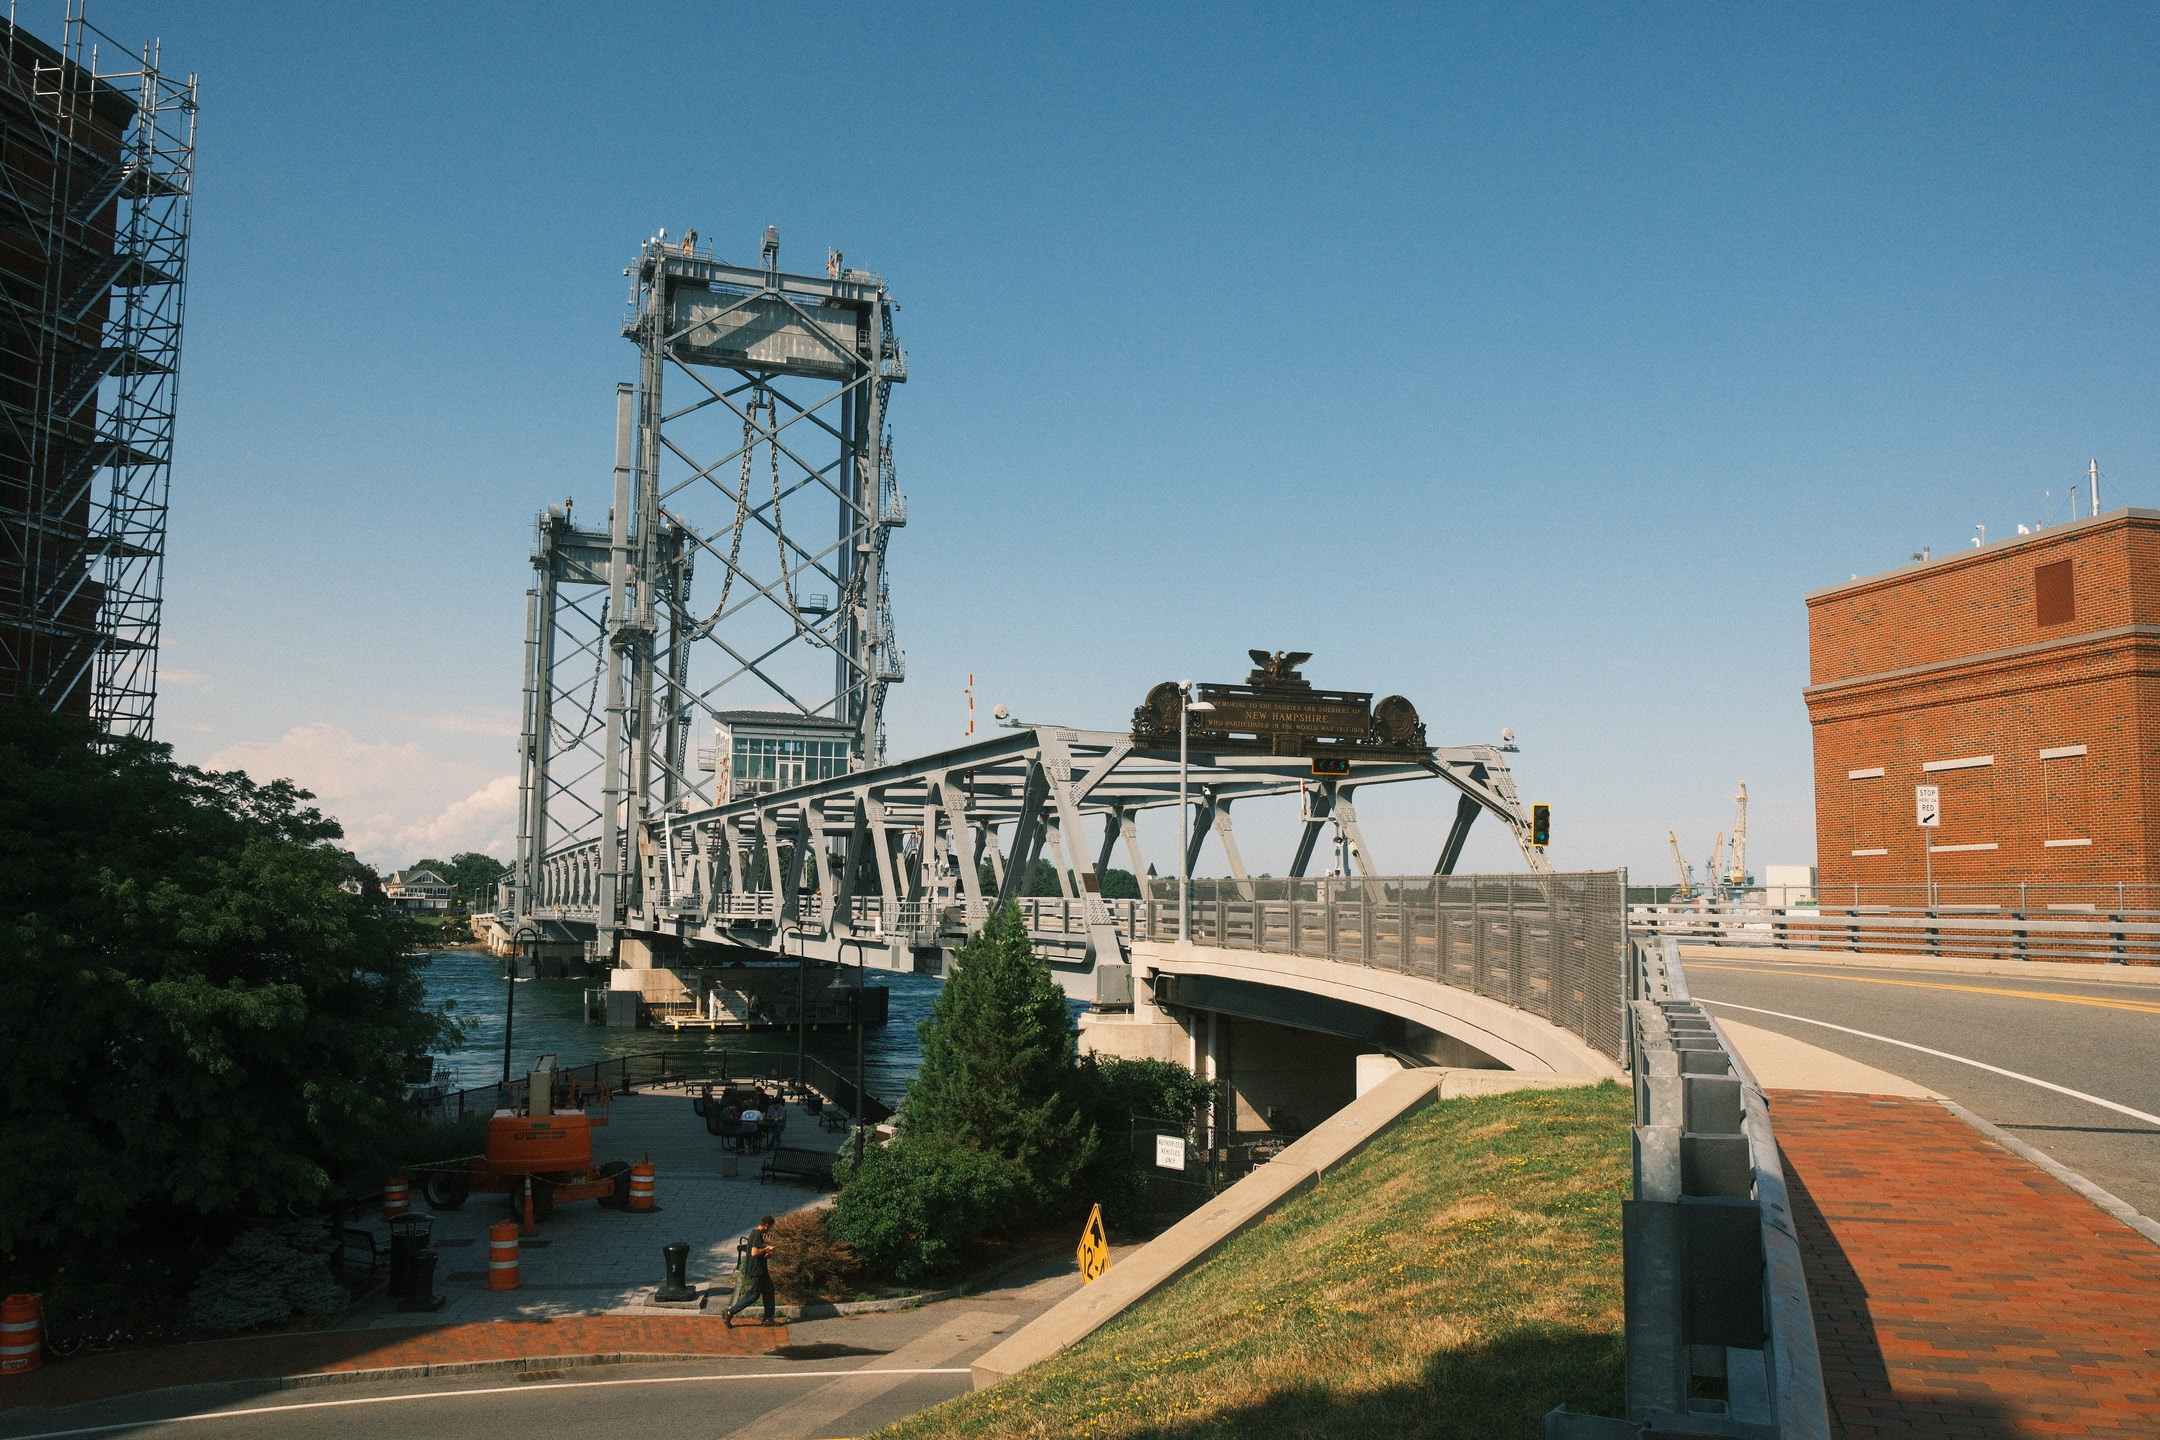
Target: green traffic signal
(1541,825)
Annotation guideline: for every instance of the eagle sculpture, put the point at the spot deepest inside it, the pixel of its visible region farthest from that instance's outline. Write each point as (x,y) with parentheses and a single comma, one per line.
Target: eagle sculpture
(1282,665)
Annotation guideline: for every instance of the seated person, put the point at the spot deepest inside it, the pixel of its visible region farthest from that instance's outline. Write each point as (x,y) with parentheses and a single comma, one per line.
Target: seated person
(776,1116)
(752,1120)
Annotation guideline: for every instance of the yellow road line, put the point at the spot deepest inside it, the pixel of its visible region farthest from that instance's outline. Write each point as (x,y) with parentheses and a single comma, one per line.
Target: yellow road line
(2143,1007)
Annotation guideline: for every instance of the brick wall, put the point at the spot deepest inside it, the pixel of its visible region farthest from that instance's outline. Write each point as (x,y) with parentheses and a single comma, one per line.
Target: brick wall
(1949,661)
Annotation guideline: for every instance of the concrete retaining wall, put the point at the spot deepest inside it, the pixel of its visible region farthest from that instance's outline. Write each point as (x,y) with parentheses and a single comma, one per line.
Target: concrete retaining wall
(1192,1240)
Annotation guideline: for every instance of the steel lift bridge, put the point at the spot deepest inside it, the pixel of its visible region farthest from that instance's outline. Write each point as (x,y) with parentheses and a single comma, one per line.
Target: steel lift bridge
(631,847)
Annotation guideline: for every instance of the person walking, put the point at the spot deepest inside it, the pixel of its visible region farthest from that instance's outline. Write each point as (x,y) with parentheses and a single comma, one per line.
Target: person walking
(756,1279)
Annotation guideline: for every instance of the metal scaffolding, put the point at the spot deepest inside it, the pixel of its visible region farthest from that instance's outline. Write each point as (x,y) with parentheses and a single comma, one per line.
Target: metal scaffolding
(760,410)
(96,184)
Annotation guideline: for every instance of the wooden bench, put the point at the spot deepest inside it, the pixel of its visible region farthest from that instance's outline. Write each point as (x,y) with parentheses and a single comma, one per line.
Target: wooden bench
(812,1165)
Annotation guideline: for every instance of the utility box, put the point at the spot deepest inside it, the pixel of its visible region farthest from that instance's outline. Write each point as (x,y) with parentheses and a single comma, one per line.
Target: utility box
(1788,885)
(1113,986)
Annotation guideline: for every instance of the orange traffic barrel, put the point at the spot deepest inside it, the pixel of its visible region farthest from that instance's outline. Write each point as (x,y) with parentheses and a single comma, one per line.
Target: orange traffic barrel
(503,1255)
(394,1192)
(21,1348)
(641,1185)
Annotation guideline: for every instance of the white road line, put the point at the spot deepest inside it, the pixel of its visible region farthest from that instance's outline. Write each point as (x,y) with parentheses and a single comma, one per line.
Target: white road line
(1946,1055)
(526,1388)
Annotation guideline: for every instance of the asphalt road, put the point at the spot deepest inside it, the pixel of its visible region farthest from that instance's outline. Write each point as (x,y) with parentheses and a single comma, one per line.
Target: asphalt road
(2098,1039)
(841,1377)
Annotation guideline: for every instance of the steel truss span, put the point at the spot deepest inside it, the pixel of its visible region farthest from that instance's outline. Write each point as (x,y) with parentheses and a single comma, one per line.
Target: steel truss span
(98,183)
(754,447)
(892,856)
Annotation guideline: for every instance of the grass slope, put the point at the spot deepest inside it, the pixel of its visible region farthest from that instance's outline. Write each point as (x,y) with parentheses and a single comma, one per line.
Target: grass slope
(1459,1278)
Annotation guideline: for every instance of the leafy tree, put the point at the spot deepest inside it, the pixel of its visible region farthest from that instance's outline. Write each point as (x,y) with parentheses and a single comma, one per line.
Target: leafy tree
(192,1014)
(1120,885)
(997,1065)
(473,876)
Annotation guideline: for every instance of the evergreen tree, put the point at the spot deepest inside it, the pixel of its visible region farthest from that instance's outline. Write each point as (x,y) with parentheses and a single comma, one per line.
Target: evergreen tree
(997,1065)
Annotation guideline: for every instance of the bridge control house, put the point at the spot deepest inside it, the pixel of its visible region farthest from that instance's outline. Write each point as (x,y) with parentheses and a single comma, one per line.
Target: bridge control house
(2022,679)
(756,752)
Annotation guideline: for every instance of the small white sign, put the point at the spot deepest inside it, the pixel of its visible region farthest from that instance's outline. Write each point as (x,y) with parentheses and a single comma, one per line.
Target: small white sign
(1170,1152)
(1927,805)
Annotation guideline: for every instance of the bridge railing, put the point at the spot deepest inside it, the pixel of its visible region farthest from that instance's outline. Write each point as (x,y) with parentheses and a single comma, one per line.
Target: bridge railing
(1554,945)
(2076,934)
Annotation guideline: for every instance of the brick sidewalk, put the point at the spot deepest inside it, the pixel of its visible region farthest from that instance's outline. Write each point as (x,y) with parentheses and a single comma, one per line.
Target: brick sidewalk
(329,1352)
(1958,1289)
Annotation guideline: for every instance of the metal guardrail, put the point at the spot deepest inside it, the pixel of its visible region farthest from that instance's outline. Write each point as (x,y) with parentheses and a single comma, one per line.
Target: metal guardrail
(2073,934)
(1720,1334)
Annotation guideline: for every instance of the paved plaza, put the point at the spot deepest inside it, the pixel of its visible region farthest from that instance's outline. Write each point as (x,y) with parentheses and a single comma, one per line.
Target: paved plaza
(589,1260)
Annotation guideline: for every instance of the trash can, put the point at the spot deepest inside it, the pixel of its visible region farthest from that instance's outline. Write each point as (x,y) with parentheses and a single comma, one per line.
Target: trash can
(408,1239)
(421,1276)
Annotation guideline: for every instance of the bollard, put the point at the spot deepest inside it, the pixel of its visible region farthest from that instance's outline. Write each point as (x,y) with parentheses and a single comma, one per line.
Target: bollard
(394,1197)
(503,1255)
(641,1186)
(22,1349)
(676,1287)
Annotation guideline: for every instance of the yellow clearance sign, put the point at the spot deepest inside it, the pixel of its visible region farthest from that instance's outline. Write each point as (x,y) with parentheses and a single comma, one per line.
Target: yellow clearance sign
(1094,1248)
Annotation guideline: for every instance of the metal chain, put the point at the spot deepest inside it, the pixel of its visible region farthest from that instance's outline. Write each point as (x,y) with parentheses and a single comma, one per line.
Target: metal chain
(742,501)
(787,577)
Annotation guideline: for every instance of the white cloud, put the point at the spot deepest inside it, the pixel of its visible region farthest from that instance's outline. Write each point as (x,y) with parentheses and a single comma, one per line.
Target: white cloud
(389,796)
(185,679)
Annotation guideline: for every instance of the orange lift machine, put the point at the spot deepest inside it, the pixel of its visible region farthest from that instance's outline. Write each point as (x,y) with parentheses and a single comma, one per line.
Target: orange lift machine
(548,1146)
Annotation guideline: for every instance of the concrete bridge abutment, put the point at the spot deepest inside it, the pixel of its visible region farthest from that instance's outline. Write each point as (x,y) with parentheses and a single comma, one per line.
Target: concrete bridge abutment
(1296,1039)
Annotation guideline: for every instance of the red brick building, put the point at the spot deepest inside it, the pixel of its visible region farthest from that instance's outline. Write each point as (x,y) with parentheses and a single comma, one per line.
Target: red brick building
(2022,678)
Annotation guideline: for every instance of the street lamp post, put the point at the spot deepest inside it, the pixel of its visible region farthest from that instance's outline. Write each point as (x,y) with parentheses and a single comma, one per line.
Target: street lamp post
(1187,706)
(860,1082)
(526,939)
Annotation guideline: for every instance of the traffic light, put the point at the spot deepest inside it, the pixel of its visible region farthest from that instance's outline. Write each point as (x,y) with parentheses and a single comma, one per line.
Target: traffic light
(1541,825)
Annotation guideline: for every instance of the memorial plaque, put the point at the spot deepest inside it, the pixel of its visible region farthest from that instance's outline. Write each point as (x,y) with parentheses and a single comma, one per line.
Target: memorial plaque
(1278,712)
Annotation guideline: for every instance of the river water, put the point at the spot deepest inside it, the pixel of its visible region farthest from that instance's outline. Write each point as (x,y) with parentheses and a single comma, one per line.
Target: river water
(550,1020)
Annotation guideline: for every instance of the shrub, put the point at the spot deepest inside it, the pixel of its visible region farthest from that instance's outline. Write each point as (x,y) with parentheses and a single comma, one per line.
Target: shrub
(1119,1093)
(1120,1090)
(266,1276)
(916,1201)
(810,1262)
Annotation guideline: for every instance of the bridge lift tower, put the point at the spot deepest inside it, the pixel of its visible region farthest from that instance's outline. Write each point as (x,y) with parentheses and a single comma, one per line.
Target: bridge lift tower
(755,442)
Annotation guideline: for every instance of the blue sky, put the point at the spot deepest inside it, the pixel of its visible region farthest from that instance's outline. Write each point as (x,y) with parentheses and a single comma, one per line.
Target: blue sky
(1532,362)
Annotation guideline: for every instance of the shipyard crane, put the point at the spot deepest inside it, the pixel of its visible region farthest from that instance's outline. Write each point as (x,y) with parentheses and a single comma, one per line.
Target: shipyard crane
(1714,867)
(1736,873)
(1680,868)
